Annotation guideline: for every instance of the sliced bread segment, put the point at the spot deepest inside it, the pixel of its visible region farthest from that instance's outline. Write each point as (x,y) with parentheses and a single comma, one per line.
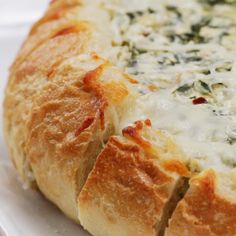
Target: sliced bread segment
(208,208)
(129,192)
(70,121)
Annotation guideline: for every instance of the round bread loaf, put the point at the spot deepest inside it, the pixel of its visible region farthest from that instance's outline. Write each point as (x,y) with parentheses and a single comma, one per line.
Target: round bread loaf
(123,113)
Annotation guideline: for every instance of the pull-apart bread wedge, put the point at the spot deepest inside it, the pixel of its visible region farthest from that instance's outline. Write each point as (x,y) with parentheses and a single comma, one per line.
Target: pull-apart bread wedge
(123,114)
(131,190)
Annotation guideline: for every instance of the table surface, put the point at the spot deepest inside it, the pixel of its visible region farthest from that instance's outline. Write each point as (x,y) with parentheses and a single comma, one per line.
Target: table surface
(23,212)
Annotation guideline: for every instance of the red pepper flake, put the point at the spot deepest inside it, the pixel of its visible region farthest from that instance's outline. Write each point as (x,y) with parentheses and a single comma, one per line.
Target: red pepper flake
(146,34)
(148,122)
(200,100)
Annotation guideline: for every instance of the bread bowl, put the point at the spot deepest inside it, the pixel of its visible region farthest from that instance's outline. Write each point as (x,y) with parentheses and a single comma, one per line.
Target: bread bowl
(122,113)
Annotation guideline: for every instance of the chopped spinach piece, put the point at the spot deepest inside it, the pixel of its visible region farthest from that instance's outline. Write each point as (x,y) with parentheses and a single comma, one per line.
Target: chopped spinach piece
(196,28)
(151,11)
(187,37)
(171,36)
(169,60)
(202,87)
(184,88)
(221,37)
(174,10)
(230,141)
(135,51)
(194,51)
(192,55)
(193,35)
(224,68)
(193,58)
(218,86)
(205,86)
(232,136)
(133,15)
(205,72)
(132,63)
(215,2)
(125,43)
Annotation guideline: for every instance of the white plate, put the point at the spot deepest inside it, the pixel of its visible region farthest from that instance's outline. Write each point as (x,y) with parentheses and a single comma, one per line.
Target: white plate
(23,212)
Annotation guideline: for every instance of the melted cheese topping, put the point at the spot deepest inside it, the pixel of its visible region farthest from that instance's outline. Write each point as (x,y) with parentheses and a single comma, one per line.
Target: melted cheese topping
(183,54)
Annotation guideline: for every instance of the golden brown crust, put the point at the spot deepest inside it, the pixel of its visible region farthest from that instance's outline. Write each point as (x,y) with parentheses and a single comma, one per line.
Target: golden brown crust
(26,81)
(136,133)
(56,120)
(68,123)
(40,61)
(126,192)
(46,30)
(203,211)
(33,58)
(58,9)
(56,151)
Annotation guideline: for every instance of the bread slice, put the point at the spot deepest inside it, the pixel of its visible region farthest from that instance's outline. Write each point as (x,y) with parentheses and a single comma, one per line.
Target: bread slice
(57,112)
(67,128)
(31,71)
(208,208)
(129,191)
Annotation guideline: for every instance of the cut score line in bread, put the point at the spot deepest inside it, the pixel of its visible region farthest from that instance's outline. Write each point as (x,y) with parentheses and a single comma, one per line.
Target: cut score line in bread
(124,115)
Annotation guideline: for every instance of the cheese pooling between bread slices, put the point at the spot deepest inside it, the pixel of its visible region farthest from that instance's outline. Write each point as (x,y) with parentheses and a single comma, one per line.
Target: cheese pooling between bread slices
(183,55)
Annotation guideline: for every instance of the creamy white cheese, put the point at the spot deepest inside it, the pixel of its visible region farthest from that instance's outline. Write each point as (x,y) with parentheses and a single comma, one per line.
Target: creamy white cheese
(183,54)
